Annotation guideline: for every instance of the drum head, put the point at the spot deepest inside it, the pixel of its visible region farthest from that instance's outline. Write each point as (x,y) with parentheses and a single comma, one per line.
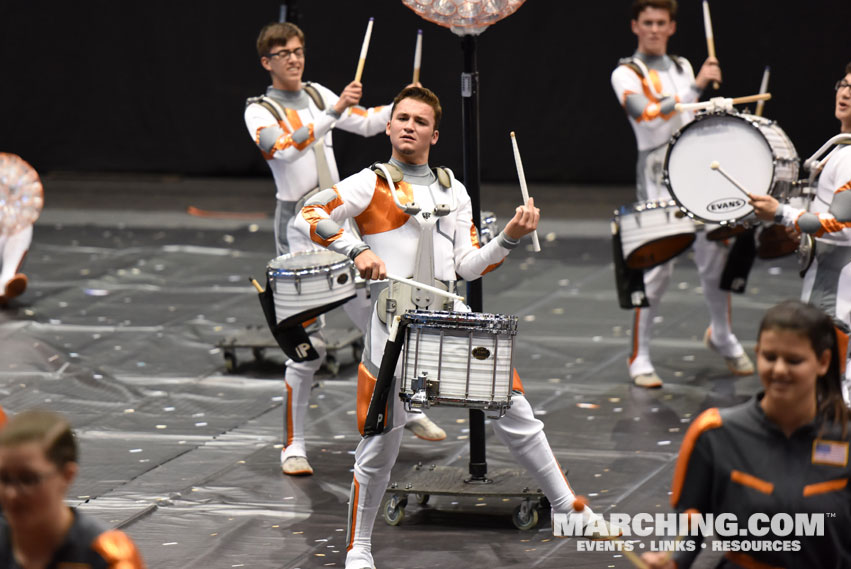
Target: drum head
(741,150)
(307,260)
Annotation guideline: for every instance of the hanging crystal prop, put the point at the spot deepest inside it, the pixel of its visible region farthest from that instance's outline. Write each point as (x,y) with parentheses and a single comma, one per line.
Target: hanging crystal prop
(21,194)
(464,17)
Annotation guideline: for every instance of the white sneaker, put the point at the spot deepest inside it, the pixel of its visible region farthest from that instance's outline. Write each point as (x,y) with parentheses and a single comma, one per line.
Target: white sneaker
(297,466)
(424,428)
(738,365)
(647,380)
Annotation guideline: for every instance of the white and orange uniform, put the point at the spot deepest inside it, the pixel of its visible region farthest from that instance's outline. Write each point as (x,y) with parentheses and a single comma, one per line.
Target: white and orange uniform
(827,283)
(649,103)
(289,148)
(394,237)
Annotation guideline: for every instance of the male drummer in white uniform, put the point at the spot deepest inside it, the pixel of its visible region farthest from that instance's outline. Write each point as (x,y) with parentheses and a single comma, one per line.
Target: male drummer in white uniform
(292,127)
(392,241)
(827,283)
(648,85)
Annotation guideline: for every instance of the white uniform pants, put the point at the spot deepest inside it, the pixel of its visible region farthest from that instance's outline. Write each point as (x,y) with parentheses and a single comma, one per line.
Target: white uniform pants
(519,430)
(710,257)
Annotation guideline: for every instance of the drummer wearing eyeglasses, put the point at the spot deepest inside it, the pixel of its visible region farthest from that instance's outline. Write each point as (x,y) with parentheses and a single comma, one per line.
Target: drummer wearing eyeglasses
(827,281)
(291,125)
(649,85)
(38,463)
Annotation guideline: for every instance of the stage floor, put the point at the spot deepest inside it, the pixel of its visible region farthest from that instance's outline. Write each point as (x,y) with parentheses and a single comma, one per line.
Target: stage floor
(119,330)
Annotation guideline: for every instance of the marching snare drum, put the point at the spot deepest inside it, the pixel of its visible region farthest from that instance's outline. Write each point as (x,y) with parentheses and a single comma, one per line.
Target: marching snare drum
(653,232)
(460,359)
(306,280)
(752,150)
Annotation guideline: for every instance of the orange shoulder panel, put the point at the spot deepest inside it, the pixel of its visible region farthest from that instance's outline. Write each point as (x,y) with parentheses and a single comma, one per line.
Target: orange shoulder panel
(118,550)
(709,419)
(382,214)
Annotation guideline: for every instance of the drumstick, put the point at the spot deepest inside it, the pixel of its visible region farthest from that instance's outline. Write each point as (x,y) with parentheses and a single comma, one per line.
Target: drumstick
(536,245)
(710,38)
(721,102)
(425,287)
(418,54)
(364,49)
(579,504)
(763,88)
(716,166)
(256,285)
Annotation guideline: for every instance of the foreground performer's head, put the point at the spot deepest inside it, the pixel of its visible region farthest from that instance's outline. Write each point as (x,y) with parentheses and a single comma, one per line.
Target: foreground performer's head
(413,124)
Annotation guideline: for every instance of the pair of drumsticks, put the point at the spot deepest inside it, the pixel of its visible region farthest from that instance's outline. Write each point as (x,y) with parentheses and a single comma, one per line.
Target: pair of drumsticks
(418,52)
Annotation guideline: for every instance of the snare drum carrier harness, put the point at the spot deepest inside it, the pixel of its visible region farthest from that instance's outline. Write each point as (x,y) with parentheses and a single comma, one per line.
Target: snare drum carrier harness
(322,169)
(395,300)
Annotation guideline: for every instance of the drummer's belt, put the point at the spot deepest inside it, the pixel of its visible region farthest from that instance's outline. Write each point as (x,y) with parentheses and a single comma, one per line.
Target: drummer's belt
(398,298)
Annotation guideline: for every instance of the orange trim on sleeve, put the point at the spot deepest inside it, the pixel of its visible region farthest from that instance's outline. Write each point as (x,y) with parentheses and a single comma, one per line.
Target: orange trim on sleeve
(752,481)
(361,112)
(709,419)
(844,188)
(490,268)
(516,384)
(3,417)
(311,215)
(748,562)
(825,487)
(474,236)
(382,215)
(118,550)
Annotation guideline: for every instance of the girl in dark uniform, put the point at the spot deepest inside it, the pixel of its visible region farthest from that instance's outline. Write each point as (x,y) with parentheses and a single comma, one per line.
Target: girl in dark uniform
(781,454)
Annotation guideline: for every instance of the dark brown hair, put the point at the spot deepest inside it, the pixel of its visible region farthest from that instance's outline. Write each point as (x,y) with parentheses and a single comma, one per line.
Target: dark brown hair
(638,6)
(50,430)
(815,325)
(277,33)
(421,94)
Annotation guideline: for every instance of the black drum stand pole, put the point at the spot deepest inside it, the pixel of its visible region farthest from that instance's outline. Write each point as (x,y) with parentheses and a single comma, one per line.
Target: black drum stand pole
(472,174)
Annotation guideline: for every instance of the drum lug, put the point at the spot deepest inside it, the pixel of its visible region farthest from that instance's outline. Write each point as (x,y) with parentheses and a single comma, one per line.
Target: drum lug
(298,284)
(390,306)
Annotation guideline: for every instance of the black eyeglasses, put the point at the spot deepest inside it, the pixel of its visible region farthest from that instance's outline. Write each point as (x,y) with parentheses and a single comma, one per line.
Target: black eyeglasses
(286,53)
(841,84)
(26,482)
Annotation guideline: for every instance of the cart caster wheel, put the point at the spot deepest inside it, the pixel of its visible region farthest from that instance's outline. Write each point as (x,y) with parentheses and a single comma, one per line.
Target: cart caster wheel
(257,353)
(525,517)
(422,499)
(394,510)
(230,362)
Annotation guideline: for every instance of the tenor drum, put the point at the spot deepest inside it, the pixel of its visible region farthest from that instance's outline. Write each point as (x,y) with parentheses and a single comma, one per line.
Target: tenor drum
(653,233)
(752,150)
(306,280)
(460,359)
